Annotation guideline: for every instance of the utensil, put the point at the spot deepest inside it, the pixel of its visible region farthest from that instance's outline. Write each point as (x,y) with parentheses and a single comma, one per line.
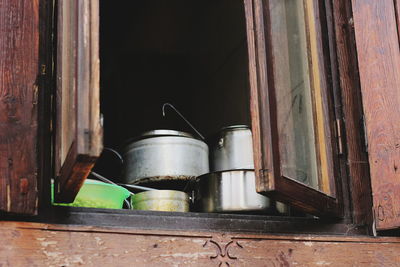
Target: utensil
(96,194)
(231,148)
(180,114)
(229,191)
(161,200)
(164,155)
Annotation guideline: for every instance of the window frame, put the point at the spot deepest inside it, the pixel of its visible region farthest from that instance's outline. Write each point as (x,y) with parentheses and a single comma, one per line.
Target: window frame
(285,189)
(47,213)
(270,181)
(78,132)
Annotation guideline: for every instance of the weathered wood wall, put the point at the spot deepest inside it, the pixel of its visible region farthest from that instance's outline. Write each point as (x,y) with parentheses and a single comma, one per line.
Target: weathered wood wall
(34,244)
(379,66)
(19,72)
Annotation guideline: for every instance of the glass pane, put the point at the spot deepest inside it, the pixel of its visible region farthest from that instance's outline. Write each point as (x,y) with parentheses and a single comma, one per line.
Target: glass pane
(295,93)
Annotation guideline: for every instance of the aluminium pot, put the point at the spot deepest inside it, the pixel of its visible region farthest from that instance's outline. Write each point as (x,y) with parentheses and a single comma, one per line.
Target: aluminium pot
(231,149)
(229,191)
(161,200)
(162,155)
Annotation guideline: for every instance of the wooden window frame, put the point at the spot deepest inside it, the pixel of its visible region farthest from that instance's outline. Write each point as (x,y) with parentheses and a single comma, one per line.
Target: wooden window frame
(78,140)
(266,151)
(357,167)
(270,180)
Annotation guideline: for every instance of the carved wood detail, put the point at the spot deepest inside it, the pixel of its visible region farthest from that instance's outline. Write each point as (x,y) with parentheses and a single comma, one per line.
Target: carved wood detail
(35,244)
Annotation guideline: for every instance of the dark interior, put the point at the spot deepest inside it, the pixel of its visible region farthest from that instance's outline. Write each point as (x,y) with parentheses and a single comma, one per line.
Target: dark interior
(190,53)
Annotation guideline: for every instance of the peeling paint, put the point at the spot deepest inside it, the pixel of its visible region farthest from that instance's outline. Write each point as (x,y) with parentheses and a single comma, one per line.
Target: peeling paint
(52,254)
(8,192)
(185,255)
(308,243)
(99,241)
(46,243)
(322,263)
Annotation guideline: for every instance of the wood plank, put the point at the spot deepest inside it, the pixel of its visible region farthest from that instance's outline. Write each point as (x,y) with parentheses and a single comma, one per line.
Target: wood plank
(46,81)
(65,122)
(19,70)
(79,133)
(357,158)
(89,130)
(260,113)
(379,65)
(29,244)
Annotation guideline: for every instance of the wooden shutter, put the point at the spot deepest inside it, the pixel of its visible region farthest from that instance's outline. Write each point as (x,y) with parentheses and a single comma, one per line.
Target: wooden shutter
(268,78)
(377,43)
(19,74)
(78,129)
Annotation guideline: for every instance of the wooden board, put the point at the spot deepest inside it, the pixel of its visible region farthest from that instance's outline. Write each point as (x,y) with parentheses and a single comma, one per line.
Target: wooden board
(357,158)
(34,244)
(379,65)
(78,129)
(19,72)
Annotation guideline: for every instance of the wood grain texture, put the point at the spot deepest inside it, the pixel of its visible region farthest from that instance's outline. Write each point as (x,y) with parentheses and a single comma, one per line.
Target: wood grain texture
(33,244)
(46,83)
(79,133)
(19,71)
(260,115)
(357,158)
(379,66)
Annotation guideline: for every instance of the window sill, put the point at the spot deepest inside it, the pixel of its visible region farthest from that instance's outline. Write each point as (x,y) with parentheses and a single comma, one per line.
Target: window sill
(209,222)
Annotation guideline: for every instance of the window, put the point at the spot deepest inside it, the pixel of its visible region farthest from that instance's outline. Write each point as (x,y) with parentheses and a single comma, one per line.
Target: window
(293,110)
(292,101)
(198,59)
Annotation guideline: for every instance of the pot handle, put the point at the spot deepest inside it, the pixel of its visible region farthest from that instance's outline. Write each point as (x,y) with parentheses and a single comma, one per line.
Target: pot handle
(191,126)
(115,153)
(104,179)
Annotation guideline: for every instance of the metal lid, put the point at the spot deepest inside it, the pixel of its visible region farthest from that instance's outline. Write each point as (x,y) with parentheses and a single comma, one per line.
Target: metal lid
(162,132)
(235,127)
(158,133)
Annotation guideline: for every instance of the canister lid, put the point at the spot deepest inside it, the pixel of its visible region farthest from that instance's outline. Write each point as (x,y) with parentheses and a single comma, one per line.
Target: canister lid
(158,133)
(162,132)
(235,127)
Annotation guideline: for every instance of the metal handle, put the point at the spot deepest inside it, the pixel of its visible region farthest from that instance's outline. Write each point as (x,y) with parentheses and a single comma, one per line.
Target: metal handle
(191,126)
(104,179)
(115,153)
(138,187)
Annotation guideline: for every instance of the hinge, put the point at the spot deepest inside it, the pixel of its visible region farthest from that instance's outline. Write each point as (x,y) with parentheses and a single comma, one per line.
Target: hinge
(339,135)
(43,69)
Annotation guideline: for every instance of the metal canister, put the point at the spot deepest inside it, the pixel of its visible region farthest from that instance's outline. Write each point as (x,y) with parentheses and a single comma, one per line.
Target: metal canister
(232,149)
(229,191)
(161,200)
(164,155)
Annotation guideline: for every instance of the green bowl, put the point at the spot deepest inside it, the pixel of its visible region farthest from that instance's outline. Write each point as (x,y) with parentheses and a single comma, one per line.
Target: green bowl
(96,194)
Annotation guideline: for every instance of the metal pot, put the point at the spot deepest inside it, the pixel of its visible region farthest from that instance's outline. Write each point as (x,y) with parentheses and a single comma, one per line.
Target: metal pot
(229,191)
(161,200)
(232,149)
(164,155)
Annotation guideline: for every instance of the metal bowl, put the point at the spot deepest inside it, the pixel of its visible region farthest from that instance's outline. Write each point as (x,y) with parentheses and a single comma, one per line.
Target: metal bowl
(229,191)
(161,200)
